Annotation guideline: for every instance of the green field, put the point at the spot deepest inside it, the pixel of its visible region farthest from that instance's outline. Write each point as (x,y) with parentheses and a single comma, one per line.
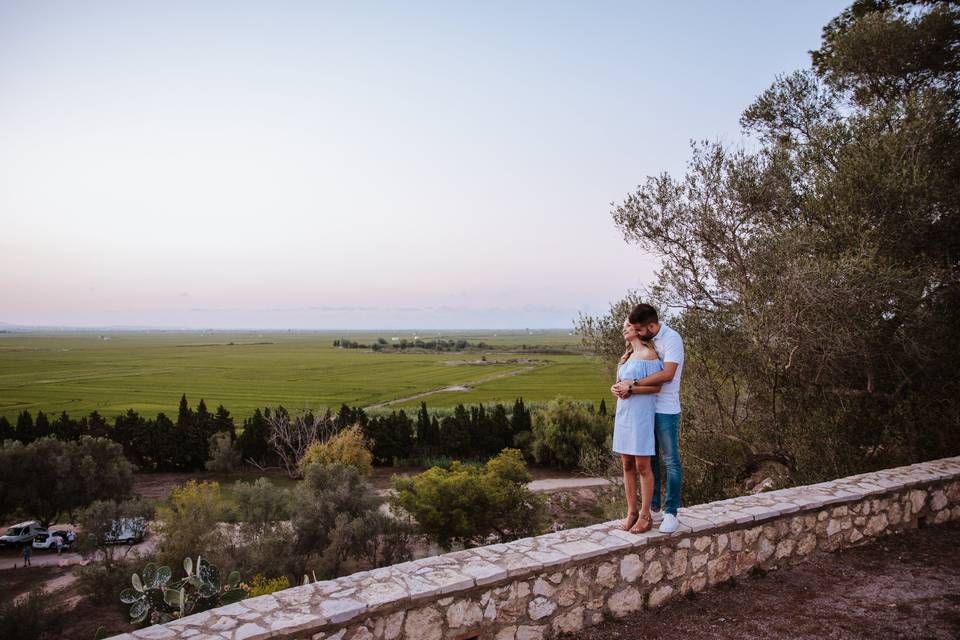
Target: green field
(148,371)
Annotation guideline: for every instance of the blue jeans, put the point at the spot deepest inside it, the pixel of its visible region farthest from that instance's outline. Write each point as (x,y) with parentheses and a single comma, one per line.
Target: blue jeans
(666,428)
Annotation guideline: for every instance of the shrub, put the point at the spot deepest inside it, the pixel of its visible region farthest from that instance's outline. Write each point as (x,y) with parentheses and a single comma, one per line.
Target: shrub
(473,504)
(102,582)
(263,538)
(190,522)
(564,430)
(224,456)
(338,525)
(261,586)
(348,447)
(33,617)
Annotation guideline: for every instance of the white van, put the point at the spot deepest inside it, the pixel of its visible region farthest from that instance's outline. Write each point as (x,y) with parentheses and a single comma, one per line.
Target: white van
(21,534)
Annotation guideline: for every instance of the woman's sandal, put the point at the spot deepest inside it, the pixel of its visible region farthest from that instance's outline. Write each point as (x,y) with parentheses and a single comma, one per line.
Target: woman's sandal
(630,521)
(642,525)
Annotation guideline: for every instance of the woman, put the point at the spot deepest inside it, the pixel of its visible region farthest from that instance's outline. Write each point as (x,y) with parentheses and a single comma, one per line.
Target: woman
(633,426)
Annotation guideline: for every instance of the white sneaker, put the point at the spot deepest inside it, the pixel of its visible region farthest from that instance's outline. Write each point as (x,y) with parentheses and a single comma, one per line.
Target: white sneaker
(657,516)
(669,524)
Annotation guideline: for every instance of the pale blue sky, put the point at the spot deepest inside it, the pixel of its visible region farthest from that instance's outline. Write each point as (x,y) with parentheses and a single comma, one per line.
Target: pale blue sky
(354,165)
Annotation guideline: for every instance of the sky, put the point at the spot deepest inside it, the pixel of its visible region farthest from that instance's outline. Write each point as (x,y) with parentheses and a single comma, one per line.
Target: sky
(355,165)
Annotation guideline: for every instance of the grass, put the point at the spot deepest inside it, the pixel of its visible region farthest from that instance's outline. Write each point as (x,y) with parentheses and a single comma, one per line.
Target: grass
(148,371)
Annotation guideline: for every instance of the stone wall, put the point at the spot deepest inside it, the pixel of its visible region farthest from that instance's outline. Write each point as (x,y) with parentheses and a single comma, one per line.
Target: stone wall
(544,586)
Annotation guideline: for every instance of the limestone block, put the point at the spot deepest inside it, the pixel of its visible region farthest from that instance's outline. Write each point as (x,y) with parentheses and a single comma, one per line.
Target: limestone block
(659,595)
(425,623)
(606,575)
(528,632)
(653,572)
(507,633)
(630,567)
(784,549)
(540,607)
(938,501)
(625,602)
(570,621)
(765,549)
(678,566)
(719,569)
(876,525)
(463,613)
(542,587)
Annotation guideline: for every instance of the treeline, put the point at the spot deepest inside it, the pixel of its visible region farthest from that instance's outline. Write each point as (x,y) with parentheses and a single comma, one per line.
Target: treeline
(184,443)
(403,344)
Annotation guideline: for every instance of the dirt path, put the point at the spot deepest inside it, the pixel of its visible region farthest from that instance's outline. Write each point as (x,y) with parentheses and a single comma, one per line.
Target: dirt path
(903,586)
(466,386)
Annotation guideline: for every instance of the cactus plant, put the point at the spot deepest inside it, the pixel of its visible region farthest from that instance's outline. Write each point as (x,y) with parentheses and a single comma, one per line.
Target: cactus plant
(154,597)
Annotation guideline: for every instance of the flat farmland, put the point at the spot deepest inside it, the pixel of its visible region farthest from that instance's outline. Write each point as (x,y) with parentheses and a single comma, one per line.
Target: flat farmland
(111,372)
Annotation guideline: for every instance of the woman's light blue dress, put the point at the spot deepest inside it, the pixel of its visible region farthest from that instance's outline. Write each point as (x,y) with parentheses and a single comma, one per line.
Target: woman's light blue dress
(633,425)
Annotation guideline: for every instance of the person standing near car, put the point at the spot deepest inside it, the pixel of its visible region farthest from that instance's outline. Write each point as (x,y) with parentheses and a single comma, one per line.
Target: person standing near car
(26,555)
(58,543)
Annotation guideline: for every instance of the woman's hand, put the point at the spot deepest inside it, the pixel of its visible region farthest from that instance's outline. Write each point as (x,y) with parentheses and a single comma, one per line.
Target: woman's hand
(621,389)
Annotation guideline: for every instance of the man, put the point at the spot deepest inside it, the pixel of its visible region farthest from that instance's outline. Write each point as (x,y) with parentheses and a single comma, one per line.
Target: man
(669,346)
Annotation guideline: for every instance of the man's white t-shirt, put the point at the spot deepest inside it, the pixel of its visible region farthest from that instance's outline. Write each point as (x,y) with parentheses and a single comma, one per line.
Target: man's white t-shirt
(669,346)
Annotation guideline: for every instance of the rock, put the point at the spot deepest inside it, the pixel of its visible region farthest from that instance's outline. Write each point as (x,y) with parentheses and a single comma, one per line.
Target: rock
(247,631)
(393,625)
(833,527)
(678,566)
(424,623)
(653,573)
(507,633)
(543,588)
(785,549)
(702,543)
(607,575)
(765,550)
(625,602)
(699,561)
(722,541)
(463,613)
(938,501)
(876,525)
(659,595)
(570,621)
(630,567)
(540,607)
(527,632)
(807,544)
(718,569)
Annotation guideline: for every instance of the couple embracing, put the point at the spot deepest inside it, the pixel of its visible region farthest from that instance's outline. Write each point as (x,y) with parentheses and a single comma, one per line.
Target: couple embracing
(647,424)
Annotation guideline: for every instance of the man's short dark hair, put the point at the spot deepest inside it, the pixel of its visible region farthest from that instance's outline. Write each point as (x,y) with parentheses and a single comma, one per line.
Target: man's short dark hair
(643,314)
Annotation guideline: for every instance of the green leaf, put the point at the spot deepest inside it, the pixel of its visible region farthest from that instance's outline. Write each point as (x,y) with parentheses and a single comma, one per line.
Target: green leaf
(232,595)
(188,566)
(233,579)
(163,577)
(129,596)
(173,598)
(207,590)
(138,611)
(149,573)
(137,584)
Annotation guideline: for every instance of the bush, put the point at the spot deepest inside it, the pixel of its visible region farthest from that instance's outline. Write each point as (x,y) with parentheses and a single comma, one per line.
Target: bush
(261,586)
(224,457)
(102,582)
(33,617)
(348,447)
(473,504)
(264,536)
(190,523)
(565,430)
(338,525)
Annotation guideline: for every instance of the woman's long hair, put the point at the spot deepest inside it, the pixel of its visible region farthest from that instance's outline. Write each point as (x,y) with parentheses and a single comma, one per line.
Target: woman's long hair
(629,350)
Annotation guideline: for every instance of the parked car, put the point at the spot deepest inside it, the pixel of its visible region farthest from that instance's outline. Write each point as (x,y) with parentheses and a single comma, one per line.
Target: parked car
(21,534)
(127,531)
(47,540)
